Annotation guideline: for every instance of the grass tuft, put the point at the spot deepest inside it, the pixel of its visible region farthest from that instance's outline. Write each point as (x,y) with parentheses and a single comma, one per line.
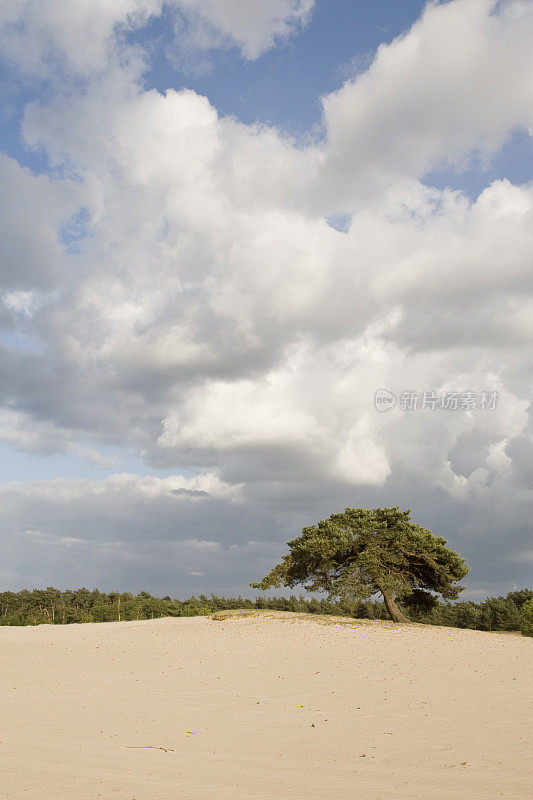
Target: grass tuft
(234,613)
(295,616)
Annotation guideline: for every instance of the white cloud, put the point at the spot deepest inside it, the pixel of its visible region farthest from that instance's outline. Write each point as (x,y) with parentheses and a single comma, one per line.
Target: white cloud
(254,26)
(95,457)
(26,433)
(34,210)
(47,539)
(453,87)
(198,544)
(84,38)
(249,325)
(42,36)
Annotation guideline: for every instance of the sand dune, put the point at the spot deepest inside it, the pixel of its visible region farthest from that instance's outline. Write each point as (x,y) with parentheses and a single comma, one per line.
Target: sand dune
(271,706)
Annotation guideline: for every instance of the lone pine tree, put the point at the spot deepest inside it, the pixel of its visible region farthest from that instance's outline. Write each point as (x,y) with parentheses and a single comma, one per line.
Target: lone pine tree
(360,552)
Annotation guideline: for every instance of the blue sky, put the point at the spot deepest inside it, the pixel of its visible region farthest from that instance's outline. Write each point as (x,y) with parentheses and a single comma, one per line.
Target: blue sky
(225,229)
(283,87)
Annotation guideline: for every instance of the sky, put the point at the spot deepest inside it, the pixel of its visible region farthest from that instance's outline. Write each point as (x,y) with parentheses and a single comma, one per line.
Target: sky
(260,262)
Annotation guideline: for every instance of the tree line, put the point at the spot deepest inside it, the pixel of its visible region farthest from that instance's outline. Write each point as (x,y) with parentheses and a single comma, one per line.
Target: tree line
(52,606)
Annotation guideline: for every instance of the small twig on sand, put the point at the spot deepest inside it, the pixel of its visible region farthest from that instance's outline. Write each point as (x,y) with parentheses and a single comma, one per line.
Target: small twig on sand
(145,747)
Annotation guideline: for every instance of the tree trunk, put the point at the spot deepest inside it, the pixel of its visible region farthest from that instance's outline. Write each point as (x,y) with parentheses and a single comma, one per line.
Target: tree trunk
(395,613)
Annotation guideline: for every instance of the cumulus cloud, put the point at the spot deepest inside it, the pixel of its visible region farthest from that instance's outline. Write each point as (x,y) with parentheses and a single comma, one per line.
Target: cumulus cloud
(210,317)
(44,36)
(450,89)
(82,38)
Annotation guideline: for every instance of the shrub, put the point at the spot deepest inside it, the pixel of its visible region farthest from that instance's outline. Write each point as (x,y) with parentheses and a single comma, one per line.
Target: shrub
(526,618)
(194,610)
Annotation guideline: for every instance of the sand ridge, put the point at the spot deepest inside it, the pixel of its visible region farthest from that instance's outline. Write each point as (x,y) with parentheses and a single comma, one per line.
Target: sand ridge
(271,706)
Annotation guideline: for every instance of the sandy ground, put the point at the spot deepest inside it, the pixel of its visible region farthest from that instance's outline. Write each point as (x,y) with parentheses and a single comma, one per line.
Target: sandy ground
(264,707)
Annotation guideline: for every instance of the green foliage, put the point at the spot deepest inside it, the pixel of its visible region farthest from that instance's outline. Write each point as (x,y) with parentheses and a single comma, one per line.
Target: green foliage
(420,601)
(193,609)
(526,618)
(498,614)
(26,608)
(51,606)
(520,597)
(360,552)
(467,615)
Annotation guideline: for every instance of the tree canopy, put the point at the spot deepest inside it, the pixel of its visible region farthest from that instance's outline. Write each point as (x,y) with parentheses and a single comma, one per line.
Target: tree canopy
(360,552)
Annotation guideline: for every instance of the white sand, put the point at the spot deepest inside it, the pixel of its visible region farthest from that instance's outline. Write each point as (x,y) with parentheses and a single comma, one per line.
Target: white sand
(264,707)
